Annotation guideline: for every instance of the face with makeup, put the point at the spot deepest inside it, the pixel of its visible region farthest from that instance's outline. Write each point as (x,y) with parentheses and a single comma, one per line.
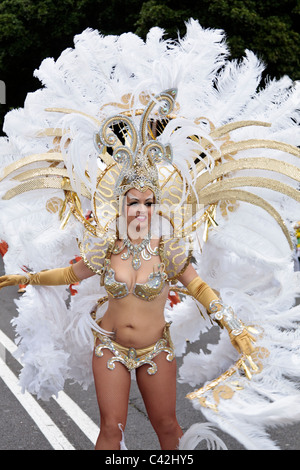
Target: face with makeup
(138,209)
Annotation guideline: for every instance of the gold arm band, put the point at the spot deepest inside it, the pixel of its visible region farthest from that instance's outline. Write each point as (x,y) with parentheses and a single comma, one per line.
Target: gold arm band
(54,277)
(202,292)
(240,338)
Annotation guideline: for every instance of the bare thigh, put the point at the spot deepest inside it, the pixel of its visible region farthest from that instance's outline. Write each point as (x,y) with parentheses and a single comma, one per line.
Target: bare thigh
(159,392)
(112,389)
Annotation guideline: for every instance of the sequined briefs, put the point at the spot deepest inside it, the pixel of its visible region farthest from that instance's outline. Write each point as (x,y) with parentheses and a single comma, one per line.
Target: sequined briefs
(133,358)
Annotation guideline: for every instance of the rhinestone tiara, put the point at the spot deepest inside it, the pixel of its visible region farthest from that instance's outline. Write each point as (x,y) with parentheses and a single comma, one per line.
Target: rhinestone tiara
(133,150)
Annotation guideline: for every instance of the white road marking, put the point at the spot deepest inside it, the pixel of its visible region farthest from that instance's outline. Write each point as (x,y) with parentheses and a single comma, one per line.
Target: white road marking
(81,419)
(54,436)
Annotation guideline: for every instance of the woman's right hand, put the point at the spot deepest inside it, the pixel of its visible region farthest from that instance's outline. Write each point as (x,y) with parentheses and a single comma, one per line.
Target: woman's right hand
(13,280)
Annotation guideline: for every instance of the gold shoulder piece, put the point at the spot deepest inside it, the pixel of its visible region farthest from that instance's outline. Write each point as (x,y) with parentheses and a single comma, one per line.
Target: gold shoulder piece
(94,251)
(176,255)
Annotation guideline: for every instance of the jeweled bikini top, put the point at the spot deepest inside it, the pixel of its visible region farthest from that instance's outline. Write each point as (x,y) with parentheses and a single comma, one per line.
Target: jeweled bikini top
(150,290)
(175,255)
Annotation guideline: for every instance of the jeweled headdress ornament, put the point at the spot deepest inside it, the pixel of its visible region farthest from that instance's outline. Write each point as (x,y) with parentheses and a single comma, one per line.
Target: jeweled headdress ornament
(137,155)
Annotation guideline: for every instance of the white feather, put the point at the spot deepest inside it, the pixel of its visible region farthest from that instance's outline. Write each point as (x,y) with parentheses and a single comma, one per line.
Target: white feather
(201,432)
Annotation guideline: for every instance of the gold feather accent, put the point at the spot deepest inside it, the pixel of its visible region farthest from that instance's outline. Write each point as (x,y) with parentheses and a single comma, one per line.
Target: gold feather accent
(230,148)
(38,157)
(43,183)
(257,163)
(251,181)
(49,171)
(234,147)
(232,126)
(253,199)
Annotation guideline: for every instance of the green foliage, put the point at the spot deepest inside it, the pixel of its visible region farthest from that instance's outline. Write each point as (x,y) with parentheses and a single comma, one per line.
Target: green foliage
(163,14)
(269,27)
(31,30)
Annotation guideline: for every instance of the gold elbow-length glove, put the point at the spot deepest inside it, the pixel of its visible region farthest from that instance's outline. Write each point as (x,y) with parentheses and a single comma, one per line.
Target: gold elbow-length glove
(52,277)
(240,338)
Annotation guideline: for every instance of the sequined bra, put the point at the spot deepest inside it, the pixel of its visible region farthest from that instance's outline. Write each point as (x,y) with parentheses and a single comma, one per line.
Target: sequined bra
(147,291)
(175,255)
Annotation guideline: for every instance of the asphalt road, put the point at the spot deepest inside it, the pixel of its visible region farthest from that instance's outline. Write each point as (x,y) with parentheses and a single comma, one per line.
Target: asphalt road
(71,422)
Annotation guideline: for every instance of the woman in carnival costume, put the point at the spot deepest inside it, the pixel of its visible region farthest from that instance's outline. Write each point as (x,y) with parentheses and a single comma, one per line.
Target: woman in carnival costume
(159,139)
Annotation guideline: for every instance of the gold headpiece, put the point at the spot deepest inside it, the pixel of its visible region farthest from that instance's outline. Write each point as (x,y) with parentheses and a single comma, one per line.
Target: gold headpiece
(134,150)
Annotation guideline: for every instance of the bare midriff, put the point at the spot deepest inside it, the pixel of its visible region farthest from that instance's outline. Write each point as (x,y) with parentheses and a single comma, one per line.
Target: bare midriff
(135,322)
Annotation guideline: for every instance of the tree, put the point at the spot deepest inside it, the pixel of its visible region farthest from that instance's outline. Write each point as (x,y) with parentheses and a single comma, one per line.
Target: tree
(31,30)
(269,28)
